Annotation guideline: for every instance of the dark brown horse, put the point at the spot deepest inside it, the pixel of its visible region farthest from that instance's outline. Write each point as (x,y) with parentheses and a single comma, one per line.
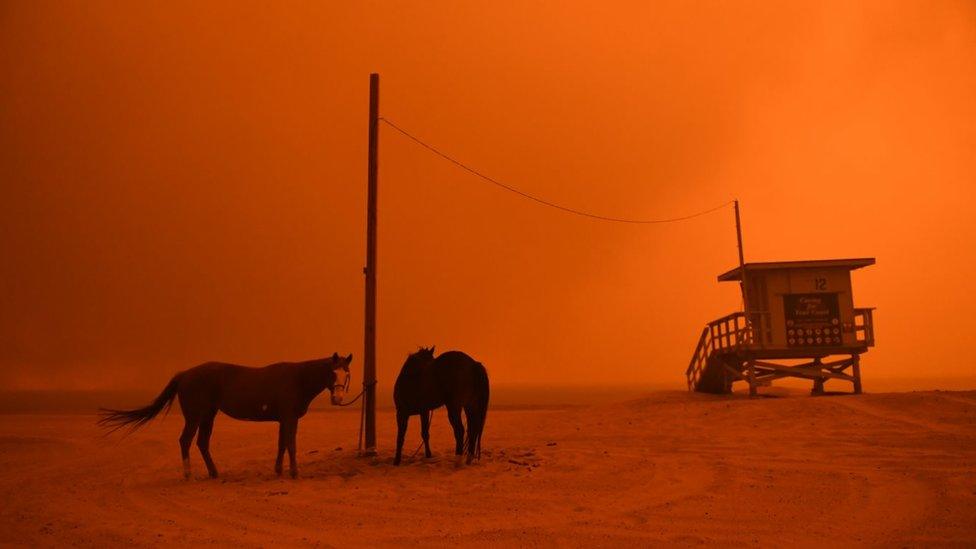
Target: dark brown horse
(454,380)
(279,392)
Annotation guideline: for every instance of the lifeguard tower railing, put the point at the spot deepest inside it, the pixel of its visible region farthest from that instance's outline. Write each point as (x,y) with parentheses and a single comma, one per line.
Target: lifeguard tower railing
(738,334)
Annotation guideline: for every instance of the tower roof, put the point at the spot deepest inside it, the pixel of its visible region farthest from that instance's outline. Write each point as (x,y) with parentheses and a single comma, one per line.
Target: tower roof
(849,264)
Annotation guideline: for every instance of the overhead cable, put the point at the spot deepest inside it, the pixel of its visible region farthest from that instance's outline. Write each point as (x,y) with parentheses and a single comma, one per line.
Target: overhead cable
(542,201)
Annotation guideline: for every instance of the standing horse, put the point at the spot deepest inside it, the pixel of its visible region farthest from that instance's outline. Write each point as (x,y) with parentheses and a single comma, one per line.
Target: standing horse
(454,380)
(280,392)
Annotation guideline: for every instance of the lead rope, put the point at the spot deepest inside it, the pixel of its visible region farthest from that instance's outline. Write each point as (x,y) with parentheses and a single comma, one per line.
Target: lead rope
(346,387)
(430,416)
(353,401)
(362,413)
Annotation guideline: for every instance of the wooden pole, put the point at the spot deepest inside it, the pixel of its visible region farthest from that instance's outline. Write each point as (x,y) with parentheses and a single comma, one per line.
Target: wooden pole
(738,236)
(369,358)
(742,268)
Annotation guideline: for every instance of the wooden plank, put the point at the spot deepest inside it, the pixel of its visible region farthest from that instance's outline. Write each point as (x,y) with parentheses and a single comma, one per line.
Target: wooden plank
(736,374)
(783,367)
(754,352)
(752,379)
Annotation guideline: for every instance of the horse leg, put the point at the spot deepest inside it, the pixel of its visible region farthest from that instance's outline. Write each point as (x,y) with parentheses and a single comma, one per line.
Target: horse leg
(190,424)
(473,418)
(454,416)
(282,445)
(292,435)
(203,442)
(402,420)
(425,431)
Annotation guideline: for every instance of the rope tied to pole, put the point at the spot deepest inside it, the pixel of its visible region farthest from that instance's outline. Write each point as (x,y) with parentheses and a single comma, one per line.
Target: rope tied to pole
(430,416)
(362,411)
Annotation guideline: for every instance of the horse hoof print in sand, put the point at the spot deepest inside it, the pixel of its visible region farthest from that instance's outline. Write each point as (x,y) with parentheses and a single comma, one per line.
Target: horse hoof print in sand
(279,392)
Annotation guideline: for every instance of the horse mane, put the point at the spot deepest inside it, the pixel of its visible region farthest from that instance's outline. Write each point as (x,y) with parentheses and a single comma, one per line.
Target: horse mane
(417,359)
(425,351)
(330,361)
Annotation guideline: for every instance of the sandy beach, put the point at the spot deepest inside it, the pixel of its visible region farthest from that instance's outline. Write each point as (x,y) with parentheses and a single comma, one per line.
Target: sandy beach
(667,468)
(580,209)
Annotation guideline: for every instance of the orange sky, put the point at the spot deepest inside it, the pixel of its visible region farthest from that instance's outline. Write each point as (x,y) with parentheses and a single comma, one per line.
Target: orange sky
(186,182)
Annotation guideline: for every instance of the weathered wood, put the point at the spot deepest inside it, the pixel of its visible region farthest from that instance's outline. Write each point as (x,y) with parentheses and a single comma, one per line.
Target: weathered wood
(845,362)
(747,342)
(732,367)
(369,356)
(736,374)
(751,368)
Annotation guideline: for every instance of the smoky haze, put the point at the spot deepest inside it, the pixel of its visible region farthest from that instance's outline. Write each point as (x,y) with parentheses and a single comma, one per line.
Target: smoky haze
(185,182)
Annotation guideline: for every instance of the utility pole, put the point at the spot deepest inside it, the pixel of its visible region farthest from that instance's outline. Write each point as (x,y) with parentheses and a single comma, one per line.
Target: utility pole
(742,268)
(738,236)
(369,358)
(742,262)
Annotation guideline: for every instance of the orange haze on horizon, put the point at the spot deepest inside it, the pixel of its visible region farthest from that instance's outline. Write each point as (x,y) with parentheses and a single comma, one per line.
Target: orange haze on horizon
(186,182)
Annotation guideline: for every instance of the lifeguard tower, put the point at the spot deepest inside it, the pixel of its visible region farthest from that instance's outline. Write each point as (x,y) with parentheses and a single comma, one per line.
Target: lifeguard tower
(793,310)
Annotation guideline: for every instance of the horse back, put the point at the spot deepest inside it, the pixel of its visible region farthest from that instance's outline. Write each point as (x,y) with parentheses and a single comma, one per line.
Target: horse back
(260,394)
(453,379)
(462,379)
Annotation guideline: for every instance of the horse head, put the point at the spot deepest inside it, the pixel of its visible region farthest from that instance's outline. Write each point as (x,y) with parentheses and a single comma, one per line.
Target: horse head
(416,363)
(340,367)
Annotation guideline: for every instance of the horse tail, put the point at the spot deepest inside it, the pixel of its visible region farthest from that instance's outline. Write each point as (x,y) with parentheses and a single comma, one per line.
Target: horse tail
(476,427)
(116,419)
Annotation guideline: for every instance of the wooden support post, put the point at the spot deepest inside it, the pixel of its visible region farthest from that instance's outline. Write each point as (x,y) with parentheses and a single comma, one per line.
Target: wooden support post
(818,384)
(753,391)
(728,376)
(369,358)
(856,371)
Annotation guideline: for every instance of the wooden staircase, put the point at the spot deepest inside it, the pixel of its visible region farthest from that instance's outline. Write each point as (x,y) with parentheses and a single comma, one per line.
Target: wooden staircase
(719,341)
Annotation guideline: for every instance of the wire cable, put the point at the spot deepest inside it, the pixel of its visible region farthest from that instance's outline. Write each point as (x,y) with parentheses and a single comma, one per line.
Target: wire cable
(523,194)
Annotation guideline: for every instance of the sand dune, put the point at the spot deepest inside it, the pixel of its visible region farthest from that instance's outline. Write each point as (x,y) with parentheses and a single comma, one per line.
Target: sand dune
(670,468)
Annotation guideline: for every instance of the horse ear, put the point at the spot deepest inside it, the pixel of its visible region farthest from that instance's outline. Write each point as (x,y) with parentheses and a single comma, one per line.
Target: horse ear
(432,349)
(335,357)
